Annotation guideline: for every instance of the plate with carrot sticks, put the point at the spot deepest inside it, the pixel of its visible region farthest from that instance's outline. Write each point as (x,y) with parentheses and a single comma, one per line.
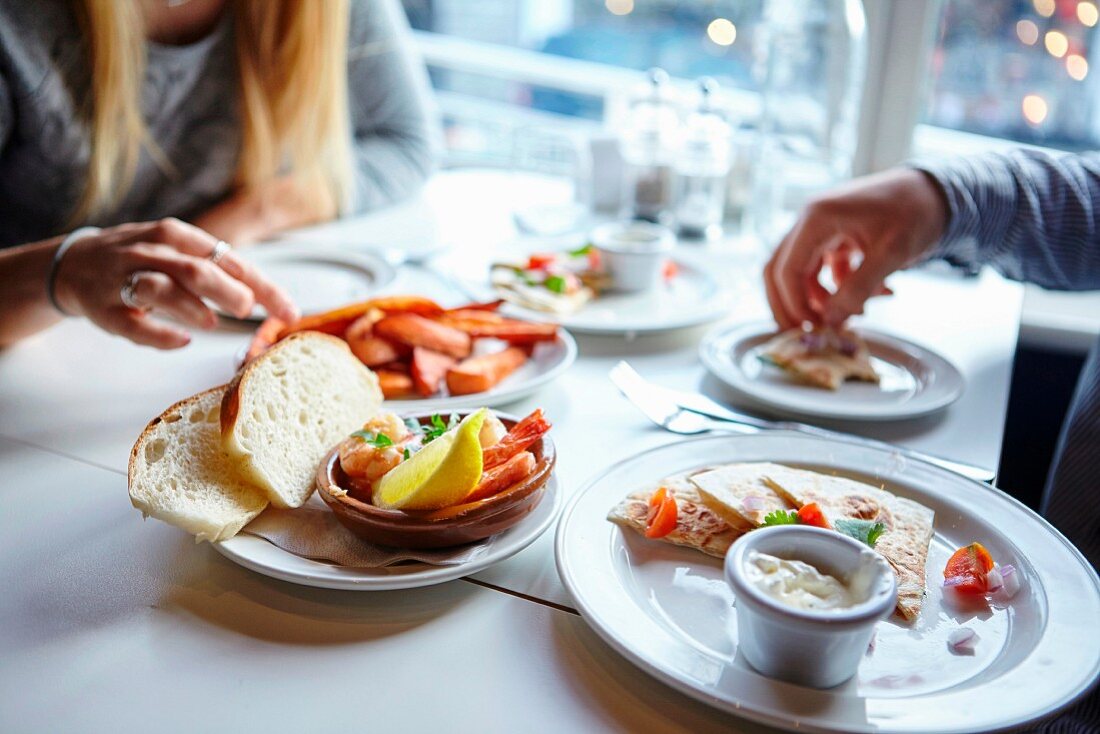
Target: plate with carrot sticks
(431,358)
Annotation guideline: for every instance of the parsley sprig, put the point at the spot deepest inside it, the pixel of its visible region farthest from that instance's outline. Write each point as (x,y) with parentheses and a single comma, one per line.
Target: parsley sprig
(437,427)
(781,517)
(378,440)
(865,531)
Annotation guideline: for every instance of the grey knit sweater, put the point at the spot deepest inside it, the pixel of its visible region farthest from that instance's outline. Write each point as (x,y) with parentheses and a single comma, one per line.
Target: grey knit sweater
(189,100)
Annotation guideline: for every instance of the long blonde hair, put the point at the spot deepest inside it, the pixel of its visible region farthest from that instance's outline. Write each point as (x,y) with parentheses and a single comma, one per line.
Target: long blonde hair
(292,67)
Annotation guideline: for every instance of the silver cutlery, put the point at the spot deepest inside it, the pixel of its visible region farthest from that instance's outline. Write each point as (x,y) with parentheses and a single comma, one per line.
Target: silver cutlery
(689,414)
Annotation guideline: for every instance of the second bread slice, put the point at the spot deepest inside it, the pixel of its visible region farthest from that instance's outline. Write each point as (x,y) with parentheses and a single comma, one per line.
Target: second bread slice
(289,406)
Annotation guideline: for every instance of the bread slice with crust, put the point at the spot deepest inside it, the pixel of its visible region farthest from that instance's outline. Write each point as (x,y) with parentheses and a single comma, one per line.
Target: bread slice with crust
(179,472)
(290,406)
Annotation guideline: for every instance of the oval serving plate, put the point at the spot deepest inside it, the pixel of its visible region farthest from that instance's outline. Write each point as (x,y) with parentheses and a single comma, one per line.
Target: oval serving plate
(670,611)
(915,380)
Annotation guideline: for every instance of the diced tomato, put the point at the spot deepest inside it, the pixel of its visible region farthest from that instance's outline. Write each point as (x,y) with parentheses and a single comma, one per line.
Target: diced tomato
(662,514)
(594,260)
(967,569)
(670,270)
(811,514)
(540,261)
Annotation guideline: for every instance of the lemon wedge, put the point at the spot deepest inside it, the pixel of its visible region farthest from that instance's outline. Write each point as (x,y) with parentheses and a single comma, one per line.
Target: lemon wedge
(439,475)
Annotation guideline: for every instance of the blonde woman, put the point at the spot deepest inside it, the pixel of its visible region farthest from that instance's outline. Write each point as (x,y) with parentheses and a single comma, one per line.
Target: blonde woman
(119,118)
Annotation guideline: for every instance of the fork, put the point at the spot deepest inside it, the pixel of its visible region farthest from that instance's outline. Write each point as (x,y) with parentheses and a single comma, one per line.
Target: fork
(655,405)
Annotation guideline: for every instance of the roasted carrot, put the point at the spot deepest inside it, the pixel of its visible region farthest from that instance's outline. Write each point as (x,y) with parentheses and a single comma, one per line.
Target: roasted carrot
(417,331)
(338,320)
(478,306)
(395,384)
(428,369)
(479,324)
(478,374)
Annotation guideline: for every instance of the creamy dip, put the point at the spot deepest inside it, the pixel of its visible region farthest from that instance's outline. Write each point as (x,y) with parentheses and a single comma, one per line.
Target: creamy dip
(797,584)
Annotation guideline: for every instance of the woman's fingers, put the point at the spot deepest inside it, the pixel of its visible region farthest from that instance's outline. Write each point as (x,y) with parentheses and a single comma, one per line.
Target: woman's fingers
(139,328)
(158,291)
(267,294)
(798,262)
(200,277)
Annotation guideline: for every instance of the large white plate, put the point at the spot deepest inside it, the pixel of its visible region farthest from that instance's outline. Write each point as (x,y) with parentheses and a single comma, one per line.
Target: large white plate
(318,277)
(259,555)
(692,298)
(669,611)
(915,380)
(547,362)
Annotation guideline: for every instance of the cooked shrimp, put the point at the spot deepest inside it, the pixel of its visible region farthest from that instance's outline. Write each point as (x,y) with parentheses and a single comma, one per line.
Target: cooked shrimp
(361,459)
(503,476)
(522,435)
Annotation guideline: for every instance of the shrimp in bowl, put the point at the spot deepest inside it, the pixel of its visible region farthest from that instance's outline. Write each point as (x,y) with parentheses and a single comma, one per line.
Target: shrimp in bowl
(455,480)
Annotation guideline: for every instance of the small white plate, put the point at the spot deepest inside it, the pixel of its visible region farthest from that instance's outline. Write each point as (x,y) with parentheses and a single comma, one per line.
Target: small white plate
(318,278)
(915,380)
(692,298)
(263,557)
(547,362)
(669,610)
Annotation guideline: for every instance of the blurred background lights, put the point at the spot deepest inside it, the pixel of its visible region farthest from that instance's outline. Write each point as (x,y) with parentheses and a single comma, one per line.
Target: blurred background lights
(1057,43)
(1044,8)
(1077,67)
(722,31)
(619,7)
(1028,32)
(1088,13)
(1035,109)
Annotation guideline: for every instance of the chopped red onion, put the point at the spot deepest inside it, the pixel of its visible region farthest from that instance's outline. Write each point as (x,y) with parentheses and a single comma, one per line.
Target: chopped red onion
(1010,579)
(753,503)
(994,581)
(953,581)
(962,641)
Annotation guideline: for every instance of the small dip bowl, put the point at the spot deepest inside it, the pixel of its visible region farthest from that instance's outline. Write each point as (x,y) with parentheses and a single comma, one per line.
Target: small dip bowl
(820,648)
(633,253)
(449,526)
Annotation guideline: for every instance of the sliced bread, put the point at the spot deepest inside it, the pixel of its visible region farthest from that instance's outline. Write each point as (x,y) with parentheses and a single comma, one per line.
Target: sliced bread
(290,406)
(179,472)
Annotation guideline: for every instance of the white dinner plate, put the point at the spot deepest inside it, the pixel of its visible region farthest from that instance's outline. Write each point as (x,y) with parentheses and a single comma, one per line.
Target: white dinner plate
(669,610)
(547,362)
(914,380)
(317,277)
(257,554)
(692,298)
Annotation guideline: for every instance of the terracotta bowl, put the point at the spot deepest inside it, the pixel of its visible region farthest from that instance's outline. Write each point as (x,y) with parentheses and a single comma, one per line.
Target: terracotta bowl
(449,526)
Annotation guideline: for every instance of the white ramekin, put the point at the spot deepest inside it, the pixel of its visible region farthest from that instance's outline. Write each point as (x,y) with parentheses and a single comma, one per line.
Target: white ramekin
(633,253)
(816,648)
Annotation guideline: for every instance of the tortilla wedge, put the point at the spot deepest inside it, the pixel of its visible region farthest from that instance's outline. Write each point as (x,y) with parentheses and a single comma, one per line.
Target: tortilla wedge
(904,544)
(696,526)
(823,358)
(725,489)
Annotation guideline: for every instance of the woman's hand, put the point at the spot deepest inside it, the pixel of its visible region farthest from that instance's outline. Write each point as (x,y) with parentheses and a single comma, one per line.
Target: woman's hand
(863,231)
(172,272)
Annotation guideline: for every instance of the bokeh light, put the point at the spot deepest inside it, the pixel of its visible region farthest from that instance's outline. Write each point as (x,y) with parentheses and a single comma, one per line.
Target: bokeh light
(619,7)
(1088,13)
(722,31)
(1056,42)
(1035,109)
(1044,8)
(1077,67)
(1028,32)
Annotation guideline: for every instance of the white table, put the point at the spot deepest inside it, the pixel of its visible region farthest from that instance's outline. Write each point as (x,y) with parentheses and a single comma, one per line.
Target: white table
(108,623)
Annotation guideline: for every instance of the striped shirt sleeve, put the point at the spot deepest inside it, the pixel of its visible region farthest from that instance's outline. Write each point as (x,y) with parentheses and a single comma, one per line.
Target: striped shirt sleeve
(1031,215)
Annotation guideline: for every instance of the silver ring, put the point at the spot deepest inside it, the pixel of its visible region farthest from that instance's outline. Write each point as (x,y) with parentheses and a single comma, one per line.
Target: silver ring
(218,252)
(127,292)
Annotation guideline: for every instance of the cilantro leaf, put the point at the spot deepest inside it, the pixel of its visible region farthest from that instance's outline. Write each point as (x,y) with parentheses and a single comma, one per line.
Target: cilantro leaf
(555,283)
(406,454)
(379,440)
(435,430)
(865,531)
(781,517)
(582,250)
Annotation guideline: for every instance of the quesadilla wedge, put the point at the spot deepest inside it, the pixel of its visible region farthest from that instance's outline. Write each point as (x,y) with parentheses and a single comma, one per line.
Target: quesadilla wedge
(696,526)
(739,494)
(908,525)
(823,357)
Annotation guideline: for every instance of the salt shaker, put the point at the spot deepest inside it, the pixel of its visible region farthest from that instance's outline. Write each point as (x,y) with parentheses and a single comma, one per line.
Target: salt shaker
(702,168)
(647,144)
